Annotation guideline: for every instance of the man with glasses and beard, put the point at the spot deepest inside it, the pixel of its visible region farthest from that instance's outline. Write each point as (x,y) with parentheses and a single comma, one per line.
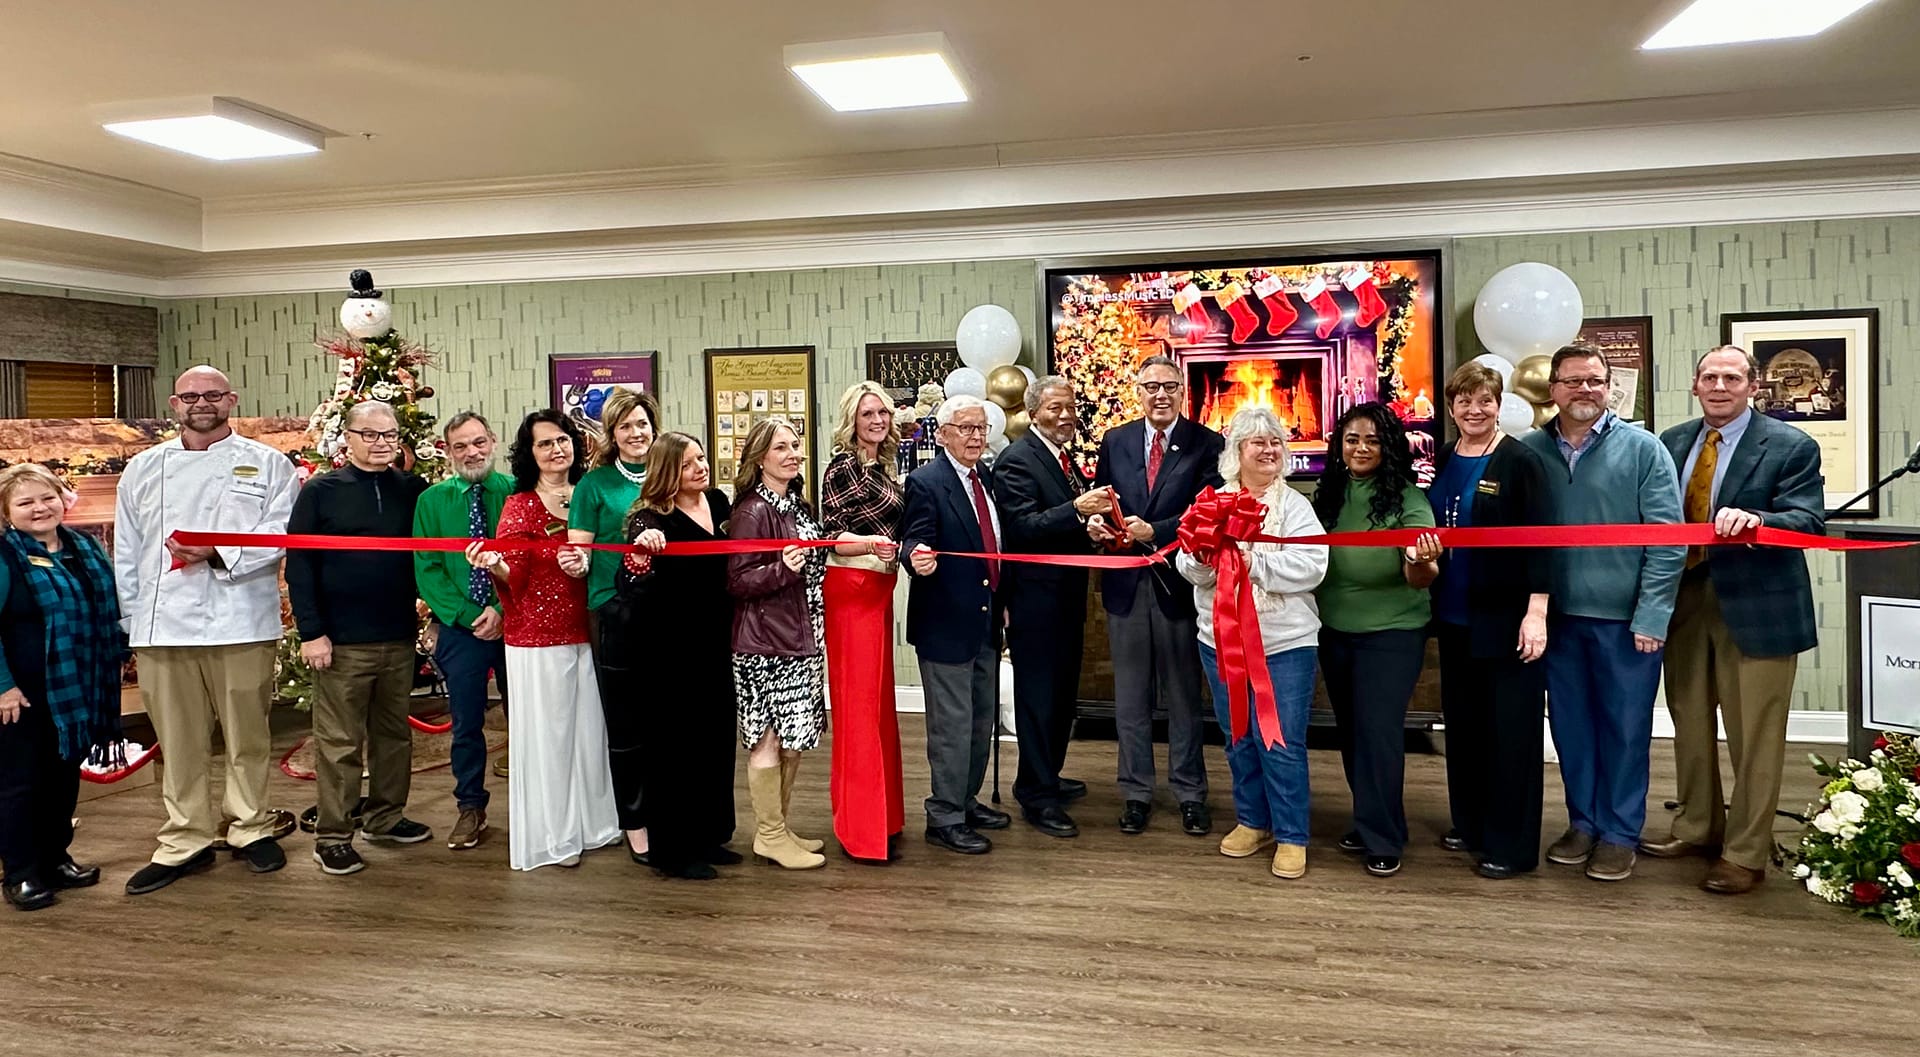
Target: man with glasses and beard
(1609,616)
(355,614)
(204,623)
(469,644)
(1156,465)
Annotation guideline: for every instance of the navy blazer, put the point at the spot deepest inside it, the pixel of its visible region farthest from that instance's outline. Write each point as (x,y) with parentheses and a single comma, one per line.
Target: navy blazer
(952,614)
(1192,462)
(1766,597)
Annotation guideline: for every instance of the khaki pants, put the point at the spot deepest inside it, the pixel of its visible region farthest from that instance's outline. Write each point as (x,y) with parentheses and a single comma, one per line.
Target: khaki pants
(187,689)
(362,696)
(1704,669)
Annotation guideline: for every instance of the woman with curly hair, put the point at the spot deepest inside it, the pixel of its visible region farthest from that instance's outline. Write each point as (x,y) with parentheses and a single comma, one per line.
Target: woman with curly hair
(1374,614)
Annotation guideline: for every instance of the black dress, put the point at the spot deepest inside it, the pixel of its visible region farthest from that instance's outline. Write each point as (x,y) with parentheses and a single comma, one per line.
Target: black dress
(668,642)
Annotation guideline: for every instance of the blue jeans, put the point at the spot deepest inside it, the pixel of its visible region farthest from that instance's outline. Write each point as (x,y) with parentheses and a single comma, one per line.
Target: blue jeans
(1600,705)
(464,662)
(1270,785)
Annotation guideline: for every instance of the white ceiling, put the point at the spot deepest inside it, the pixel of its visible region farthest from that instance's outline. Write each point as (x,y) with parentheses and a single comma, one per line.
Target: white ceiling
(446,103)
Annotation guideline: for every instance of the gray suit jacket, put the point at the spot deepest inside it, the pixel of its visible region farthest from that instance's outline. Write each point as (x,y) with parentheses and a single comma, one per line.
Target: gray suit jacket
(1766,597)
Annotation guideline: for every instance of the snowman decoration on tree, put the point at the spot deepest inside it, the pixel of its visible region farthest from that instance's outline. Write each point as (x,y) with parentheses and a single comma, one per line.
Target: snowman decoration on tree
(375,363)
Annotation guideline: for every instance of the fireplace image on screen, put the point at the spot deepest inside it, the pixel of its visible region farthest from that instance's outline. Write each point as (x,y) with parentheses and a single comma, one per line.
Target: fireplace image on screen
(1296,385)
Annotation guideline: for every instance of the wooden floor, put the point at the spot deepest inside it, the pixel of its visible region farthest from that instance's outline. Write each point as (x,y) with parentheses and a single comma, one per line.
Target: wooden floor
(1107,945)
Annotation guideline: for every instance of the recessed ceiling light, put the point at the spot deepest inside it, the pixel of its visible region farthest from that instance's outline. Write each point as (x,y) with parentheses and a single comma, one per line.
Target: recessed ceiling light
(1739,21)
(223,130)
(879,73)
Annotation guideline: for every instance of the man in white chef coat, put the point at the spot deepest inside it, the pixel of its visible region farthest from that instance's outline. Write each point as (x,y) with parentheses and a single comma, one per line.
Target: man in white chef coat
(205,633)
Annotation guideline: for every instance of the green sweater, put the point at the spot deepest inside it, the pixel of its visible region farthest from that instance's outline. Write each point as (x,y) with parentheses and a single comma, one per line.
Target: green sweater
(441,576)
(600,504)
(1365,588)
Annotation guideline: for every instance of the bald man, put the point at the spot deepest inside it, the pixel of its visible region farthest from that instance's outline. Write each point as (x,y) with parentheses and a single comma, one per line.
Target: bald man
(204,623)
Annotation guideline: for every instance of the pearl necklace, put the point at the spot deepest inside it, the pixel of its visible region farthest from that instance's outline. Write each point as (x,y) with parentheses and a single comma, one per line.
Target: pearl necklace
(639,479)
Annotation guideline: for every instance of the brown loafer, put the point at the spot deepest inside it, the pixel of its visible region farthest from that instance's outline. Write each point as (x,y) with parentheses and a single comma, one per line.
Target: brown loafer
(1675,848)
(1732,879)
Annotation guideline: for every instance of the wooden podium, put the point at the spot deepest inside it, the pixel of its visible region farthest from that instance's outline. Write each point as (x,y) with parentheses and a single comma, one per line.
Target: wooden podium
(1889,573)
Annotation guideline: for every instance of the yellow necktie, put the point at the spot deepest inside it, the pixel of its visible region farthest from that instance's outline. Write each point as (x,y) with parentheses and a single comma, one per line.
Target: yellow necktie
(1699,500)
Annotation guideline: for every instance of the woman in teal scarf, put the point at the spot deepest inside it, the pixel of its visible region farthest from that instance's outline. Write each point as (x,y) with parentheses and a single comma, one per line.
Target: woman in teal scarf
(61,648)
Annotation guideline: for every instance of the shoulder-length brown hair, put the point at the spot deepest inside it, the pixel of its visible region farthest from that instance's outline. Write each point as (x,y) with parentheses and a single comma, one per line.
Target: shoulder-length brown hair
(621,403)
(663,472)
(754,450)
(844,438)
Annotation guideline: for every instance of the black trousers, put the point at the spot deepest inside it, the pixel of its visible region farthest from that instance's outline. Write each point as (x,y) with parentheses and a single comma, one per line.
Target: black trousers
(1493,707)
(619,701)
(1045,632)
(1370,678)
(38,790)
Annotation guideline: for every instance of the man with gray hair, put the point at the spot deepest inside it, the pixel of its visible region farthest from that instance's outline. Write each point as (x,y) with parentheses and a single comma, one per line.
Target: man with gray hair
(1045,503)
(954,620)
(355,615)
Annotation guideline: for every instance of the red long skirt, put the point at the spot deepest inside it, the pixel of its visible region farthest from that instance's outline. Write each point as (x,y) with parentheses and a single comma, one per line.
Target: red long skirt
(868,804)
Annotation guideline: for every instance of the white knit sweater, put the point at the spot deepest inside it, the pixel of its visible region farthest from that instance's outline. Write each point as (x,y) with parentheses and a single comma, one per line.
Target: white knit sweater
(1283,575)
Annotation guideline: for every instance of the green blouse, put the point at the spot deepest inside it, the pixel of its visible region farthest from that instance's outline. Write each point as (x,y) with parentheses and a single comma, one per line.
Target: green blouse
(1365,588)
(600,504)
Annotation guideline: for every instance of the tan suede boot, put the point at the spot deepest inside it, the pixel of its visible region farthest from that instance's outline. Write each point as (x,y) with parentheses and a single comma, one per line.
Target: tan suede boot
(1290,861)
(789,770)
(771,841)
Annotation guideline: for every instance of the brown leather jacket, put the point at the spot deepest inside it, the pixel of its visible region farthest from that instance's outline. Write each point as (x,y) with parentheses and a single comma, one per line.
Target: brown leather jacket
(770,616)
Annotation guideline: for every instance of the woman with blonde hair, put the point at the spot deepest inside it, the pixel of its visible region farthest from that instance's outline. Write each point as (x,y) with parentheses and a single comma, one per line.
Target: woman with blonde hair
(60,653)
(861,503)
(617,470)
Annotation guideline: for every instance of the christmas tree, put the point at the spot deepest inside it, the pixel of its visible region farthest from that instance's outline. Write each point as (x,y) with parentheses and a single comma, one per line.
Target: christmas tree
(376,363)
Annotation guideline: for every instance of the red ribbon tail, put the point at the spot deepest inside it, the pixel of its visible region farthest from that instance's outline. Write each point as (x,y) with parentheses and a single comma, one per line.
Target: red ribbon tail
(1229,637)
(1253,649)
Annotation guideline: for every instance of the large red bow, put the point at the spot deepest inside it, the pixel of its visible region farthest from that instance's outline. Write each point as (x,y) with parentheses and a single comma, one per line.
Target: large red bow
(1212,530)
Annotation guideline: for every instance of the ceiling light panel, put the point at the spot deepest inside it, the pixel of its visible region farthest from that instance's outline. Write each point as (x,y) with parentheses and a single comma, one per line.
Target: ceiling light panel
(223,130)
(881,73)
(1706,22)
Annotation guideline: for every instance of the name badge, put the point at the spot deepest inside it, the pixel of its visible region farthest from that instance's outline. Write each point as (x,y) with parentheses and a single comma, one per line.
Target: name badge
(44,563)
(246,471)
(1488,487)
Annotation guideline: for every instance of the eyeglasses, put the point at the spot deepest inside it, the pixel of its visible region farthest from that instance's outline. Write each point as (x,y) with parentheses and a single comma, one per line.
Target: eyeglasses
(967,431)
(553,443)
(1581,383)
(198,398)
(1160,387)
(377,436)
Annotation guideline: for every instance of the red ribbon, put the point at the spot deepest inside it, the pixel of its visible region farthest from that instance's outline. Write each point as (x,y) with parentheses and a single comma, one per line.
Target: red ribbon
(1212,530)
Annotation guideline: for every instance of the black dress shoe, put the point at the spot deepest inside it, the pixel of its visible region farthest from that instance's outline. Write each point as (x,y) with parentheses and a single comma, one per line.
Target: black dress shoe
(893,848)
(1352,844)
(688,871)
(960,838)
(1453,841)
(644,858)
(1195,818)
(31,894)
(980,816)
(1072,788)
(1493,871)
(1053,821)
(720,856)
(263,856)
(71,874)
(1383,865)
(154,876)
(1133,816)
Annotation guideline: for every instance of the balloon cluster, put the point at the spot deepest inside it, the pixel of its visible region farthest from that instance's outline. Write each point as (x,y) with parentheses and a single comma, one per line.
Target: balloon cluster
(1524,314)
(989,342)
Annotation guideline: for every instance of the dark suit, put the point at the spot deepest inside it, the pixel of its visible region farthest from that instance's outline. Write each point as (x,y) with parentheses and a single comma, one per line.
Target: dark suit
(953,621)
(1046,610)
(1150,618)
(1742,618)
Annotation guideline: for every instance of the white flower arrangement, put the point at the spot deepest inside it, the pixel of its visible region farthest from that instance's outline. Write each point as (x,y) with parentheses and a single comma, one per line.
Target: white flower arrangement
(1861,848)
(1868,780)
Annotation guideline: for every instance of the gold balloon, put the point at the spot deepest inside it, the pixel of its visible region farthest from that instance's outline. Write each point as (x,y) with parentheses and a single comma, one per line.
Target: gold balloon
(1531,379)
(1007,386)
(1018,423)
(1543,413)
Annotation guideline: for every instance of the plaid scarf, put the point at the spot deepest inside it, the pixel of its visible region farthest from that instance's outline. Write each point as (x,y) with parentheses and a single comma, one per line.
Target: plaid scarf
(85,645)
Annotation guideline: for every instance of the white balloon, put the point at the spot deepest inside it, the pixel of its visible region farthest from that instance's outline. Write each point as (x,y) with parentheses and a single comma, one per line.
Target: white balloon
(997,422)
(988,337)
(1498,365)
(1026,370)
(996,445)
(1527,309)
(1516,415)
(965,381)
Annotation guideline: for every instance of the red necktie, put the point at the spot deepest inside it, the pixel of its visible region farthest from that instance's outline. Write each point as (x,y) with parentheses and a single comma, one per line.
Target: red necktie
(1155,456)
(988,542)
(1073,475)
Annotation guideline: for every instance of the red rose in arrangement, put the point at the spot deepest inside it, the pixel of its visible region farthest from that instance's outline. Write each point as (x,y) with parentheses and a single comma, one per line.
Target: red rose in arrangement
(1916,773)
(1880,742)
(1867,893)
(1911,853)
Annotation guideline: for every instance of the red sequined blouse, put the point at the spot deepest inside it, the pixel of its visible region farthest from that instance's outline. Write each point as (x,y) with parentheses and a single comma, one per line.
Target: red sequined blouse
(540,605)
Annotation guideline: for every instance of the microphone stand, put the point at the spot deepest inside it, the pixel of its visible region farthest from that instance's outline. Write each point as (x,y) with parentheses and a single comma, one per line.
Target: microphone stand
(1912,466)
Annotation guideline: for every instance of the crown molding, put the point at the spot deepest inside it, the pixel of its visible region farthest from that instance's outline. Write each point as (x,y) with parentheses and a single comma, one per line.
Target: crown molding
(34,192)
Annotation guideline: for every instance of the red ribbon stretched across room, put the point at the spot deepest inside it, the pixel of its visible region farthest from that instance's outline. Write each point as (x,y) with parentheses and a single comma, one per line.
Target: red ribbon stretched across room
(1211,530)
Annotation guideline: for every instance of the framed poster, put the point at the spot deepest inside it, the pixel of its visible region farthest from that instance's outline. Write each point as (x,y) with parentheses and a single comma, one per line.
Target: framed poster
(1890,663)
(1627,343)
(1305,337)
(582,380)
(745,386)
(903,367)
(1817,372)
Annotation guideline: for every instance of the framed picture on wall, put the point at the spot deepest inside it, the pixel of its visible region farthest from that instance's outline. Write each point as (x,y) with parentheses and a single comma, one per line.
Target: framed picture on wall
(903,367)
(582,380)
(748,386)
(1305,337)
(1627,343)
(1817,372)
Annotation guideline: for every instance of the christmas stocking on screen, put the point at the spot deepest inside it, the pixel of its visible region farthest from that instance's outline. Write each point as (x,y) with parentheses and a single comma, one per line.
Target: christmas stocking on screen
(1233,298)
(1280,310)
(1187,302)
(1325,309)
(1371,307)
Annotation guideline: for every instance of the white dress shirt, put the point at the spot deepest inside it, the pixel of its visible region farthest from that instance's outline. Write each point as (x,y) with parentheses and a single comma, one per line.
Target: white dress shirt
(966,485)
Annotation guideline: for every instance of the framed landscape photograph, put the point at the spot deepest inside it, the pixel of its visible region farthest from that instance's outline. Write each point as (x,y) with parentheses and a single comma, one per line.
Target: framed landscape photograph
(582,380)
(1817,372)
(745,386)
(1627,343)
